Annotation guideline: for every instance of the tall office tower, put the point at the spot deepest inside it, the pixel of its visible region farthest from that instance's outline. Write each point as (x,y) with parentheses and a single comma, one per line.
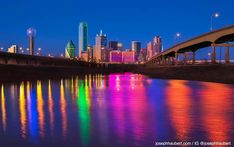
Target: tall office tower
(90,53)
(154,47)
(113,45)
(142,56)
(31,32)
(100,45)
(157,45)
(136,46)
(70,50)
(83,37)
(149,50)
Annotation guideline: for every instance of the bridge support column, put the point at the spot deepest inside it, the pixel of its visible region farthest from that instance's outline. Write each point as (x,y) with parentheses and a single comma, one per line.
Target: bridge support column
(176,58)
(163,60)
(194,57)
(213,54)
(185,58)
(227,55)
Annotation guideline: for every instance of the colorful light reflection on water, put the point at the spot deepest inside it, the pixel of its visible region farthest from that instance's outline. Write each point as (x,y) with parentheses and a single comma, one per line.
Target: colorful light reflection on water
(114,110)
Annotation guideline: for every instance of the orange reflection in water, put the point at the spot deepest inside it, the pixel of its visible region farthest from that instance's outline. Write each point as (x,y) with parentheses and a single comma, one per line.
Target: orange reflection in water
(3,105)
(216,100)
(22,106)
(40,108)
(63,106)
(178,99)
(51,107)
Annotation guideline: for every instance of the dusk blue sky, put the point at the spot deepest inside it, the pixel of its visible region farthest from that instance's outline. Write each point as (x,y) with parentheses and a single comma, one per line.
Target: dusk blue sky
(56,21)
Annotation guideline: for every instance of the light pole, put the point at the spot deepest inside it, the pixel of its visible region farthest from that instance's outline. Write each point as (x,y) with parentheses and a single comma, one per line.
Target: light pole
(209,54)
(27,50)
(39,52)
(1,49)
(177,35)
(214,15)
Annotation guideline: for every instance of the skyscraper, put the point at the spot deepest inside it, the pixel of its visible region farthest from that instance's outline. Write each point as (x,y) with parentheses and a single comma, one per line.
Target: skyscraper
(136,46)
(83,37)
(113,45)
(70,50)
(157,45)
(100,46)
(31,32)
(154,47)
(90,53)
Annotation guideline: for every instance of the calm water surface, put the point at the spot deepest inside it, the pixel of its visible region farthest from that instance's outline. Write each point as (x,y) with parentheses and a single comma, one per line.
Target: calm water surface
(114,110)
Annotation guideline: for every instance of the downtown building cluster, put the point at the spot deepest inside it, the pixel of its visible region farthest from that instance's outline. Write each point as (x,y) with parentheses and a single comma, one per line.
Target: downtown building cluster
(111,51)
(103,50)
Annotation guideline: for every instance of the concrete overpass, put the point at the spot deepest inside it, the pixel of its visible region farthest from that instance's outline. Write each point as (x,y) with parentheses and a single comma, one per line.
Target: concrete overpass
(215,38)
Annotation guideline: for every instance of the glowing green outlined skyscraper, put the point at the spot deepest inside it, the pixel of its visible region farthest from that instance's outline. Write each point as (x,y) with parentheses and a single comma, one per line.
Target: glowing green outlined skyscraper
(83,37)
(70,50)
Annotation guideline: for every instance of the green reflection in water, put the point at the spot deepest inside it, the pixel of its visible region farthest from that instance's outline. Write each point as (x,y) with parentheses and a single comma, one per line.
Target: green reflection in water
(83,103)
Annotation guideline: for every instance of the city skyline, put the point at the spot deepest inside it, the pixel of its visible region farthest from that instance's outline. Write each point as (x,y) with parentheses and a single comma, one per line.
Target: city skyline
(53,34)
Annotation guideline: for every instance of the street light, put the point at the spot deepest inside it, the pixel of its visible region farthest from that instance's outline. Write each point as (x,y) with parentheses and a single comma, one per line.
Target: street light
(209,54)
(214,15)
(177,35)
(39,51)
(1,49)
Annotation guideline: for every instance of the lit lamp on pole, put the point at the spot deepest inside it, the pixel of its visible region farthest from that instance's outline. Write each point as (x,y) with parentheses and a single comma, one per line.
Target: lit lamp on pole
(39,52)
(27,50)
(177,35)
(209,54)
(214,15)
(21,50)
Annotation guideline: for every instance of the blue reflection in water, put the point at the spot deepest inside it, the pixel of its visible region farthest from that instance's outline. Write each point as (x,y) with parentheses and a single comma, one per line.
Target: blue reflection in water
(32,112)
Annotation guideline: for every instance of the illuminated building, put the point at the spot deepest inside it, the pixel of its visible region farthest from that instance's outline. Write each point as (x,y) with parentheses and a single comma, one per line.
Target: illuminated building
(105,54)
(70,50)
(116,56)
(13,49)
(149,50)
(157,45)
(154,47)
(136,46)
(143,54)
(85,56)
(128,56)
(100,43)
(90,53)
(83,37)
(31,32)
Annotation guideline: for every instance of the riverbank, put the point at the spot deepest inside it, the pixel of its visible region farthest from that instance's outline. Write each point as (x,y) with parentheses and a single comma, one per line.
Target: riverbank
(10,73)
(210,73)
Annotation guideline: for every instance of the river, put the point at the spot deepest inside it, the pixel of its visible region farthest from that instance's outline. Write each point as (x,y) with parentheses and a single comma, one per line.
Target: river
(114,110)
